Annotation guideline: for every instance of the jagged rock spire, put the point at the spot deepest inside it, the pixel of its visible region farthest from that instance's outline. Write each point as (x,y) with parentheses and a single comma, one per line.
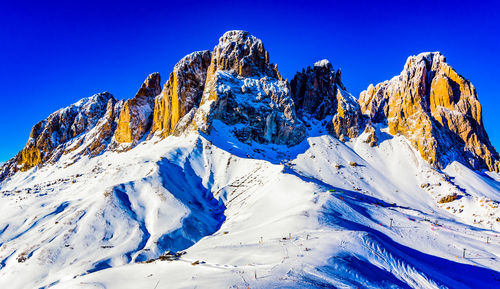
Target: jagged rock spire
(314,89)
(436,109)
(243,54)
(65,130)
(243,88)
(318,93)
(136,115)
(181,94)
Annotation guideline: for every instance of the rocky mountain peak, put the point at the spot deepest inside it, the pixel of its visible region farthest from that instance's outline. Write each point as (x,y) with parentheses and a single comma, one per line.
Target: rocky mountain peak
(150,87)
(436,109)
(60,132)
(429,103)
(431,60)
(242,54)
(245,91)
(318,93)
(136,115)
(314,90)
(181,94)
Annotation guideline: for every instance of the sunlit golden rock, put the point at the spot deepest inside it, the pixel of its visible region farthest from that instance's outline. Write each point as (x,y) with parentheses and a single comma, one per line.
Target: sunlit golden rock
(182,92)
(60,132)
(370,135)
(436,109)
(136,115)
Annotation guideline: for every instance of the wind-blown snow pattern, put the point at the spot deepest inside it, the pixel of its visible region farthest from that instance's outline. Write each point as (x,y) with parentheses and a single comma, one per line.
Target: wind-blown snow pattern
(322,214)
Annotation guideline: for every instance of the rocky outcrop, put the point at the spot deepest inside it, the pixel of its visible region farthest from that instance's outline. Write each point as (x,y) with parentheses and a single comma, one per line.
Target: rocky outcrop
(87,127)
(245,91)
(318,93)
(436,109)
(136,115)
(235,84)
(63,131)
(240,53)
(347,120)
(370,135)
(181,94)
(102,134)
(314,90)
(237,87)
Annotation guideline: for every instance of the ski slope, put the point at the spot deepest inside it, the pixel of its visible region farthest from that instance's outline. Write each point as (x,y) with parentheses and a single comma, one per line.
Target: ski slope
(321,214)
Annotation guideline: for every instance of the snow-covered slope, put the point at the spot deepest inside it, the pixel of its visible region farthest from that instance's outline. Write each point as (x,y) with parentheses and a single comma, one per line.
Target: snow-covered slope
(248,215)
(233,178)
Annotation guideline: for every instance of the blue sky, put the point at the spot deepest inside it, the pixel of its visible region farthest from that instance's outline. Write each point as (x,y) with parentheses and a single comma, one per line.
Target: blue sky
(55,53)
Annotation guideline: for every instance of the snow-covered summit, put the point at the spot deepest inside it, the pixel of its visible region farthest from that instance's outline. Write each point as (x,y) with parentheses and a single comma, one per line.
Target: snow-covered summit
(232,36)
(202,78)
(323,63)
(211,81)
(242,54)
(429,57)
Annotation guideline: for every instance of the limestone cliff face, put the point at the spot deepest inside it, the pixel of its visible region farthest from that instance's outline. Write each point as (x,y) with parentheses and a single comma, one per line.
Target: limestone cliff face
(318,93)
(136,115)
(63,131)
(244,90)
(181,94)
(436,109)
(234,84)
(102,134)
(237,87)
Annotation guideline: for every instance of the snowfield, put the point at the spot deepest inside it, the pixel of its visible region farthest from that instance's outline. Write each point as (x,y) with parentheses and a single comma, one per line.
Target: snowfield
(321,214)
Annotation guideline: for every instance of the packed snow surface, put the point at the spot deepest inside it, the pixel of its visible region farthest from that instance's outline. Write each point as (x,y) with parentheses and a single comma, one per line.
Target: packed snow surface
(321,214)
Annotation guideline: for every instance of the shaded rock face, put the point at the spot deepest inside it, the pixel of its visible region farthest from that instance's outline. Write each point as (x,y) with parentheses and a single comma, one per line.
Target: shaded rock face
(314,90)
(318,93)
(181,94)
(65,130)
(436,109)
(136,115)
(244,90)
(102,134)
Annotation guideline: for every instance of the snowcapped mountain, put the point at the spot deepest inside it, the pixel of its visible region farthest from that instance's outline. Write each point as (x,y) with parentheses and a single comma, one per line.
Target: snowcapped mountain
(231,177)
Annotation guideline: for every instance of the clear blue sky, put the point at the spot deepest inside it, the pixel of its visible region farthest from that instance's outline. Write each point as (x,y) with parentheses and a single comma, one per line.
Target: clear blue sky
(53,54)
